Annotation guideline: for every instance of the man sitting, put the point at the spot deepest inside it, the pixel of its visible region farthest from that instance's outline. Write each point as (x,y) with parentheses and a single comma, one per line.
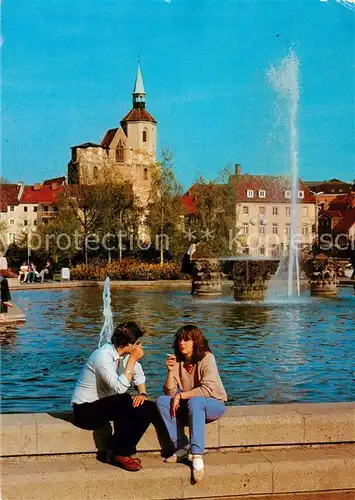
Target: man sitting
(100,395)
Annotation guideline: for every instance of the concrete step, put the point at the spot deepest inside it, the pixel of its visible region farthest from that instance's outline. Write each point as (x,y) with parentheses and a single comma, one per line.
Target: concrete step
(80,477)
(241,426)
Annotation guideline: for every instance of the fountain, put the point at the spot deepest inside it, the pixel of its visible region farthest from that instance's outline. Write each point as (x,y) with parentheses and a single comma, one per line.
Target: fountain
(285,80)
(107,327)
(206,272)
(322,275)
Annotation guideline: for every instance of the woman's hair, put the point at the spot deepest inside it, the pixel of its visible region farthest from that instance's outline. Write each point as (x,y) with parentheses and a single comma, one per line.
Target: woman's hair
(191,332)
(126,333)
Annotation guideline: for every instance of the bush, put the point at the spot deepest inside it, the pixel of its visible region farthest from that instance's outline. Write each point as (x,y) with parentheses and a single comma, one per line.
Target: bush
(127,269)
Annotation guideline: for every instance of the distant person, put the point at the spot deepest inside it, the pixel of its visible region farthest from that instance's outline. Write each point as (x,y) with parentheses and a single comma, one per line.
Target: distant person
(351,255)
(31,273)
(186,266)
(22,275)
(5,296)
(194,395)
(46,271)
(101,396)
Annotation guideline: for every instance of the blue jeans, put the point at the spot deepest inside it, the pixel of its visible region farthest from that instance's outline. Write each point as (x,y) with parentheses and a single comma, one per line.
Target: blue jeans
(195,412)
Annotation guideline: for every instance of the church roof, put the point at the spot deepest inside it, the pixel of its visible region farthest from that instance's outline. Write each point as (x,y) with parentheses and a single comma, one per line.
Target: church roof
(87,145)
(138,115)
(138,86)
(110,134)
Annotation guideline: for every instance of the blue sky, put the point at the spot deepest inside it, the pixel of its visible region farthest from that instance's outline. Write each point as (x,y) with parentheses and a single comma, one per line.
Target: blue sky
(68,69)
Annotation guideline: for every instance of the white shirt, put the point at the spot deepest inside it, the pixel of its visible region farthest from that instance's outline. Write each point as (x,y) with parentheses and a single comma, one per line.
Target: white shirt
(103,375)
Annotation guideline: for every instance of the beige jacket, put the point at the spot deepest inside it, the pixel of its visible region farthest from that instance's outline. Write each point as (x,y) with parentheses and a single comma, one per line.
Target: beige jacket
(203,381)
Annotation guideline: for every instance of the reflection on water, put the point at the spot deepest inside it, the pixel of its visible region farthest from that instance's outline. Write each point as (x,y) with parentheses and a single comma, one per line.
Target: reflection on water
(270,352)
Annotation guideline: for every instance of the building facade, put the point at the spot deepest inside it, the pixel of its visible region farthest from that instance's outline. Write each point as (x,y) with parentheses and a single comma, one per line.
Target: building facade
(24,207)
(126,153)
(263,213)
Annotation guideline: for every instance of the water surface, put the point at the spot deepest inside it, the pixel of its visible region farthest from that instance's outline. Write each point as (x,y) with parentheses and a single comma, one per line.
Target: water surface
(273,352)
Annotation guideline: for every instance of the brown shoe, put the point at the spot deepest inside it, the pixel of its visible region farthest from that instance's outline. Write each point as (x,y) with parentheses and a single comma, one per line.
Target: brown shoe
(126,463)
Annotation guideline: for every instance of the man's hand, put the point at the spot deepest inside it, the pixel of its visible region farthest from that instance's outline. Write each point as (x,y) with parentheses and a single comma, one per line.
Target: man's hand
(139,400)
(137,352)
(174,405)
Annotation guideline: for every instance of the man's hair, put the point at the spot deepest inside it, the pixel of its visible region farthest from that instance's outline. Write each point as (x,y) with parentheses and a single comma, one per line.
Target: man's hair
(126,333)
(191,332)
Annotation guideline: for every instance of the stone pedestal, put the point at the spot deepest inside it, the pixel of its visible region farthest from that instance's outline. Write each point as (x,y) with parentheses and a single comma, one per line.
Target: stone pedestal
(206,277)
(250,276)
(324,288)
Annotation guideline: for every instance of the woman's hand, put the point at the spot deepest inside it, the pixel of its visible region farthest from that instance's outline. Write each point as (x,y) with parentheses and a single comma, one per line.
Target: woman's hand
(139,400)
(174,404)
(170,362)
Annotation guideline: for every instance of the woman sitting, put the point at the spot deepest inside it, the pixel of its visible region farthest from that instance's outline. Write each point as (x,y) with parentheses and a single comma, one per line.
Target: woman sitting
(194,395)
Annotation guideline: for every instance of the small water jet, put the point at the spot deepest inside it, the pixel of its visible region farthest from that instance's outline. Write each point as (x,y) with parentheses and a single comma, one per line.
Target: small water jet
(107,327)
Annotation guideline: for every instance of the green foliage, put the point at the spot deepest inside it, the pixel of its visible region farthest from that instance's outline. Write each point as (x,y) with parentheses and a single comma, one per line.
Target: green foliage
(165,209)
(127,269)
(215,213)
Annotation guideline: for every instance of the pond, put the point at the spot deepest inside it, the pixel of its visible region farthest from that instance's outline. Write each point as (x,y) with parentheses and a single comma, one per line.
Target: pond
(272,352)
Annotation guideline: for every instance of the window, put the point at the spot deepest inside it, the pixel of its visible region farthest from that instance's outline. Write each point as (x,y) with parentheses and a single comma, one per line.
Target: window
(144,136)
(145,174)
(245,228)
(287,229)
(287,194)
(35,209)
(245,210)
(288,210)
(275,229)
(275,210)
(301,194)
(12,222)
(262,230)
(35,223)
(262,193)
(120,152)
(45,208)
(25,209)
(262,210)
(250,193)
(45,221)
(12,208)
(305,211)
(262,250)
(25,223)
(340,190)
(305,231)
(95,173)
(246,251)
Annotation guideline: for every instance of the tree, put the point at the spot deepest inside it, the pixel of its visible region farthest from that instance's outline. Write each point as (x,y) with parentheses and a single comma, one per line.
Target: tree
(165,209)
(214,213)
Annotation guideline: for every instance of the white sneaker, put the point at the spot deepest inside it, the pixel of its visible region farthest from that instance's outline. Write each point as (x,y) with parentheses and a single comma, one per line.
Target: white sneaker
(180,454)
(198,467)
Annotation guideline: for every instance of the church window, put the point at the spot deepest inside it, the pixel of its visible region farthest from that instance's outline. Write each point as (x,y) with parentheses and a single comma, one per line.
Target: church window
(96,173)
(120,152)
(144,136)
(145,174)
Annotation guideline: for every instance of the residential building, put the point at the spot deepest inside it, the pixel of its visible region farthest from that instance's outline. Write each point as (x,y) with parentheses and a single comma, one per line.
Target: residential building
(127,152)
(328,191)
(23,207)
(263,212)
(336,226)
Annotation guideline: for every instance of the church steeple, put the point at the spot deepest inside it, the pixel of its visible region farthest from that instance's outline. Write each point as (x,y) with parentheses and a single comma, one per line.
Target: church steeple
(139,92)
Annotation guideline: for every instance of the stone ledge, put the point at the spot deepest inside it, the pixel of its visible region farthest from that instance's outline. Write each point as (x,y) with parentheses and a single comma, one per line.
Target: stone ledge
(227,475)
(241,426)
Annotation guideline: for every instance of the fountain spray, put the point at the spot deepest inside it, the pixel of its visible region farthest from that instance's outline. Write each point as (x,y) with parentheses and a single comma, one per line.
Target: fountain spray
(285,80)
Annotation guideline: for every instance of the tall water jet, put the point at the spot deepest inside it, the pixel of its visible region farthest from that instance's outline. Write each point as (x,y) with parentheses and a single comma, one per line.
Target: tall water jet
(285,80)
(107,327)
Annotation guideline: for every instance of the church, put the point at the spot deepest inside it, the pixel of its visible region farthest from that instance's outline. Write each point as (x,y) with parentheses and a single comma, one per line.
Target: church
(127,152)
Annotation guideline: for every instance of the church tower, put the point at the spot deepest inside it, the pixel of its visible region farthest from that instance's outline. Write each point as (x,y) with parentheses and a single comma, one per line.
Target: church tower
(128,151)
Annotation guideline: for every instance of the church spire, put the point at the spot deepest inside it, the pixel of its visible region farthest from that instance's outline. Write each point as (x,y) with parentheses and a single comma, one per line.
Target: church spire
(139,92)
